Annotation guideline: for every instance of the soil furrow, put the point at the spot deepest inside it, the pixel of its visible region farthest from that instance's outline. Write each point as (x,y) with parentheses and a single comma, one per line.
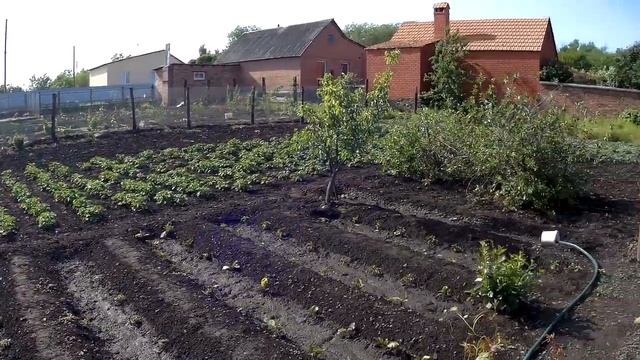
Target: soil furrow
(129,336)
(296,322)
(233,334)
(431,274)
(374,317)
(369,279)
(37,309)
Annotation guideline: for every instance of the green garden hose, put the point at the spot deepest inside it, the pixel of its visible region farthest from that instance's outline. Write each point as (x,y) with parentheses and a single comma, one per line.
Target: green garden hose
(534,349)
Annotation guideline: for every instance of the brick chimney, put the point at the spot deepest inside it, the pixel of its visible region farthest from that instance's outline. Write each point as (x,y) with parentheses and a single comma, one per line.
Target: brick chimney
(440,20)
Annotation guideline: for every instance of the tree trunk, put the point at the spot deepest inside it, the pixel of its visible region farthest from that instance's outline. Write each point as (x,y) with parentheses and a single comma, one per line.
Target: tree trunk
(331,188)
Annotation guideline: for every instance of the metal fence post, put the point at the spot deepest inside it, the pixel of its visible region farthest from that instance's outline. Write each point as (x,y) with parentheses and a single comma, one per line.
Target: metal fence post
(188,107)
(253,105)
(302,103)
(54,104)
(122,93)
(295,90)
(415,102)
(134,124)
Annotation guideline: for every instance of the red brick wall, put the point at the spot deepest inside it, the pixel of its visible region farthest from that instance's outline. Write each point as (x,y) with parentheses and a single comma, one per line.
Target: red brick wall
(276,72)
(170,80)
(549,51)
(500,65)
(407,73)
(589,99)
(341,50)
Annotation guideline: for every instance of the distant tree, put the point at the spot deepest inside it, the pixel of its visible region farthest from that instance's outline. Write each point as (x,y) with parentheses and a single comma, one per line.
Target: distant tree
(236,33)
(82,78)
(63,80)
(119,56)
(205,56)
(627,73)
(448,76)
(39,82)
(370,34)
(586,56)
(10,89)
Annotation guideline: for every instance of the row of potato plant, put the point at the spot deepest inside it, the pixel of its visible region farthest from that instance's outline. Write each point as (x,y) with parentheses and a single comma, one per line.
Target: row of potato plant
(87,210)
(91,187)
(8,223)
(31,204)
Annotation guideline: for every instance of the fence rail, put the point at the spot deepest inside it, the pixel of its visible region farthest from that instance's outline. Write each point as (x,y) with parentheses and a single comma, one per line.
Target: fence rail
(35,102)
(141,107)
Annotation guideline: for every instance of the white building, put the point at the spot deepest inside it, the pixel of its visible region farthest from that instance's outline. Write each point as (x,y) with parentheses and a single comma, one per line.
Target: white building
(131,70)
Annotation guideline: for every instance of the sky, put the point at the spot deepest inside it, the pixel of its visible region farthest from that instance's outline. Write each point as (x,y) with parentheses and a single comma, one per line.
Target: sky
(42,33)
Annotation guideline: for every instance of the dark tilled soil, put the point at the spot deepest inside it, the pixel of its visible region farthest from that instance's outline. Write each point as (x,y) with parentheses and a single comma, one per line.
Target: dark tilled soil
(393,262)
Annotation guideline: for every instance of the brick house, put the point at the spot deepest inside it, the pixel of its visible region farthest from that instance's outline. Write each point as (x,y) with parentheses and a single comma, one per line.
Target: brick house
(204,80)
(305,51)
(499,48)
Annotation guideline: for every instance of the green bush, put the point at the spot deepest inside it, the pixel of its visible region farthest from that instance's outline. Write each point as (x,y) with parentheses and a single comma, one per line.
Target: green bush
(504,280)
(556,71)
(632,116)
(18,142)
(521,156)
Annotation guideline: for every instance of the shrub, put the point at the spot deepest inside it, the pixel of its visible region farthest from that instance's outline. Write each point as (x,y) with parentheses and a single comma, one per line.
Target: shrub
(556,71)
(518,154)
(632,116)
(504,279)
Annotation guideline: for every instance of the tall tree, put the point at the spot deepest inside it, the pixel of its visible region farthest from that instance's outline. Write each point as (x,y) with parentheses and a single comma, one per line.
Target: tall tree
(448,76)
(627,72)
(206,56)
(39,82)
(236,33)
(370,34)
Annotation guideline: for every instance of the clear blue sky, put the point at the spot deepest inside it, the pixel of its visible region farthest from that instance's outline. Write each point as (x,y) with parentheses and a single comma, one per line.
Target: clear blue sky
(43,32)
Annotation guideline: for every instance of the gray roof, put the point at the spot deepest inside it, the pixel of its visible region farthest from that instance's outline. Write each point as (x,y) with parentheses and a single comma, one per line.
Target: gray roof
(281,42)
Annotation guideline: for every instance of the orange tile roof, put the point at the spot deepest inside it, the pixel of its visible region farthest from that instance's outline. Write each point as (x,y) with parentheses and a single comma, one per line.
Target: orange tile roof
(495,34)
(440,5)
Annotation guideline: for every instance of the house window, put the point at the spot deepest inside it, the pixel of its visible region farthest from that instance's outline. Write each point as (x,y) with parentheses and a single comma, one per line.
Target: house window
(344,68)
(199,75)
(126,77)
(331,38)
(321,69)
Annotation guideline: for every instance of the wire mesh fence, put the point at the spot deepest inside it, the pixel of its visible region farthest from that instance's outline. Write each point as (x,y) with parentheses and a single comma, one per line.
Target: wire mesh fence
(138,108)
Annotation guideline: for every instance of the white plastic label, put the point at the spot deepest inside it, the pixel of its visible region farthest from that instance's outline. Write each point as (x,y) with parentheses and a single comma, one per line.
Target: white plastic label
(550,237)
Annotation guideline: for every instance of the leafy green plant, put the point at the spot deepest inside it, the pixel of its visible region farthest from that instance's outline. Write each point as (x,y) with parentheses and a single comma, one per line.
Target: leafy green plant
(133,201)
(509,151)
(504,280)
(18,142)
(8,223)
(448,76)
(632,116)
(45,218)
(342,127)
(86,209)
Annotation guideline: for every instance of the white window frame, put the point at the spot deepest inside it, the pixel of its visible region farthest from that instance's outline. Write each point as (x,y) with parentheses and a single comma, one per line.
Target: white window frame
(126,77)
(199,76)
(348,67)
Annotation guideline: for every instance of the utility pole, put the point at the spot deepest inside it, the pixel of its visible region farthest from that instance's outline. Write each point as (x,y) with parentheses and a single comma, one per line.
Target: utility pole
(74,66)
(6,22)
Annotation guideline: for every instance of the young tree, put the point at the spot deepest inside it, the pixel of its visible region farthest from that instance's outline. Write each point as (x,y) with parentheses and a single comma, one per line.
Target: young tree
(342,127)
(370,34)
(448,76)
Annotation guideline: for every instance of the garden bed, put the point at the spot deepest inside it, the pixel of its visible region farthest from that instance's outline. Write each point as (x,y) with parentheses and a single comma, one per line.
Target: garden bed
(396,261)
